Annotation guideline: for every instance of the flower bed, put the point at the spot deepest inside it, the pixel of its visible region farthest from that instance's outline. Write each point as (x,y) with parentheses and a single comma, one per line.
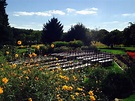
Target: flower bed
(131,54)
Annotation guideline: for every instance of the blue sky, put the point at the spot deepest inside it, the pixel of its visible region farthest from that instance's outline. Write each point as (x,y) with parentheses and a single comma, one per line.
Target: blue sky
(100,14)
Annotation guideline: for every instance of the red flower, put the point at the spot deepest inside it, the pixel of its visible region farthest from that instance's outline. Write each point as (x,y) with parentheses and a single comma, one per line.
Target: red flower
(131,54)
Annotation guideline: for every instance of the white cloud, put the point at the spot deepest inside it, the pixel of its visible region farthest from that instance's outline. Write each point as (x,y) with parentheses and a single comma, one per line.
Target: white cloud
(129,15)
(47,13)
(32,25)
(69,10)
(56,12)
(89,11)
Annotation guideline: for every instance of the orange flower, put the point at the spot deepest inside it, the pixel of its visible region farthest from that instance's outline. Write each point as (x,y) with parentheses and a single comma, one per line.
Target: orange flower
(37,64)
(1,90)
(30,55)
(19,42)
(92,98)
(91,93)
(34,54)
(29,99)
(36,78)
(5,80)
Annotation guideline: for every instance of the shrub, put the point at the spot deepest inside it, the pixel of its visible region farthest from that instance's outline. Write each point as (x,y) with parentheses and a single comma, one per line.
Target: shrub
(94,81)
(117,85)
(76,43)
(60,43)
(62,49)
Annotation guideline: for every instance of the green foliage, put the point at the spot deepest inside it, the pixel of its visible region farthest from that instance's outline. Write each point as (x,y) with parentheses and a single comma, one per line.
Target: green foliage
(78,32)
(62,49)
(129,36)
(52,31)
(76,43)
(60,43)
(94,79)
(117,85)
(40,84)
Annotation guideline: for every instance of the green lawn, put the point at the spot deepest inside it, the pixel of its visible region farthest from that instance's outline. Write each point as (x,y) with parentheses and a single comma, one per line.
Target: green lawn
(130,98)
(129,48)
(114,68)
(113,51)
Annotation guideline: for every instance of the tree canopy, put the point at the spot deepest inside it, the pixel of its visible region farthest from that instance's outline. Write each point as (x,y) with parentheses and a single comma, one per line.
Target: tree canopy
(77,32)
(129,34)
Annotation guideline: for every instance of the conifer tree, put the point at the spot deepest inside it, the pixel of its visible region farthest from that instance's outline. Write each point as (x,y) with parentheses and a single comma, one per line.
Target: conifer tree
(52,31)
(5,34)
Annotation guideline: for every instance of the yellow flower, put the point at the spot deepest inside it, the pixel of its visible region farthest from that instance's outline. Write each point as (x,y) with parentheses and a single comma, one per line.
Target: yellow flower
(91,93)
(16,55)
(27,77)
(7,52)
(75,79)
(19,42)
(72,96)
(29,99)
(70,88)
(37,47)
(57,64)
(92,98)
(5,80)
(64,77)
(1,90)
(76,93)
(2,64)
(52,45)
(24,72)
(80,89)
(14,65)
(64,87)
(57,59)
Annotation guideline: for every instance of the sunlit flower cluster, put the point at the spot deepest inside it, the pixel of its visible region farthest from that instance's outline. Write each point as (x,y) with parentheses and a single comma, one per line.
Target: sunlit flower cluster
(67,88)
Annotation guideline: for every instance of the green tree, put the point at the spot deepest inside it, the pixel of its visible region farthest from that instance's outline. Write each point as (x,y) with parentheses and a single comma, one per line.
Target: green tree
(52,31)
(5,31)
(78,32)
(114,37)
(129,34)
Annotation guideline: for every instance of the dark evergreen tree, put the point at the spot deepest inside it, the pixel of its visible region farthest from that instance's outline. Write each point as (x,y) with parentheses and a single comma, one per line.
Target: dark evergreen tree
(5,31)
(52,31)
